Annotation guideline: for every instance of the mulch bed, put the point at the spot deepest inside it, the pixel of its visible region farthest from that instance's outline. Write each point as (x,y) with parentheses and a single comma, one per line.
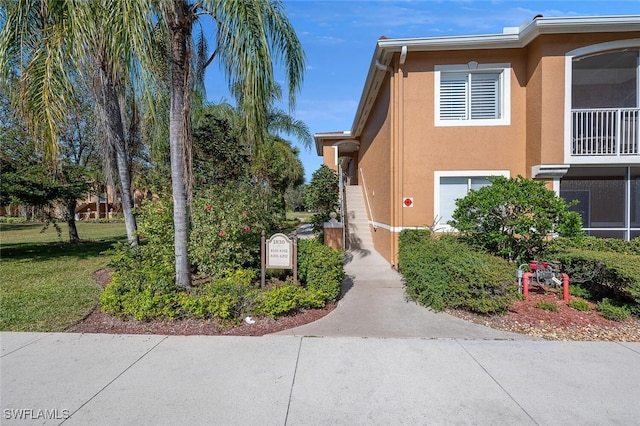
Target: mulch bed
(565,324)
(523,317)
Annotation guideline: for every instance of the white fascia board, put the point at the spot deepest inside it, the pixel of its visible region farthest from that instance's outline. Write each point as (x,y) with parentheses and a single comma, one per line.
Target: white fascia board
(385,48)
(528,33)
(452,43)
(371,87)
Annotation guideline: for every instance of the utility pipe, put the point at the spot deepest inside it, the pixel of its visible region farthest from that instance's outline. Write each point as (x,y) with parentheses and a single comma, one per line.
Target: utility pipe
(565,287)
(525,284)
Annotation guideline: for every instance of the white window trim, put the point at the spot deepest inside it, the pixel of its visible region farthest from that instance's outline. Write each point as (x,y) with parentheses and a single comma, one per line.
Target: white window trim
(568,81)
(444,227)
(505,94)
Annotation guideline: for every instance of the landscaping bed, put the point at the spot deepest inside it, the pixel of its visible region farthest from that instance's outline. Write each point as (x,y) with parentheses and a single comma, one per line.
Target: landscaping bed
(101,322)
(523,317)
(565,324)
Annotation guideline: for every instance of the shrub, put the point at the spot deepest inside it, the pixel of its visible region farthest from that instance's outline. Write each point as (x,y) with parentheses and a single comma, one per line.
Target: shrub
(580,305)
(512,217)
(227,222)
(444,273)
(587,242)
(579,291)
(143,288)
(233,296)
(322,196)
(228,298)
(610,311)
(321,268)
(604,273)
(547,306)
(139,290)
(290,298)
(140,298)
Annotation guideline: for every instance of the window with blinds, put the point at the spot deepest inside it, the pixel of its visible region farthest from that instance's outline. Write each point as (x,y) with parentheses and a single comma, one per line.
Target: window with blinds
(452,185)
(470,96)
(455,188)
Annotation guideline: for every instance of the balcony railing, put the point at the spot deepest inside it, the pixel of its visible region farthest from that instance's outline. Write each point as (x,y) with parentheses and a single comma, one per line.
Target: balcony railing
(605,132)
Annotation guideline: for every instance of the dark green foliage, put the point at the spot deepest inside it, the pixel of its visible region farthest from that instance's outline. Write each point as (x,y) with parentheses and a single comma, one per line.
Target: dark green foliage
(586,242)
(547,306)
(322,196)
(26,178)
(294,199)
(444,273)
(321,268)
(218,157)
(580,305)
(277,165)
(227,222)
(512,217)
(578,290)
(605,274)
(612,311)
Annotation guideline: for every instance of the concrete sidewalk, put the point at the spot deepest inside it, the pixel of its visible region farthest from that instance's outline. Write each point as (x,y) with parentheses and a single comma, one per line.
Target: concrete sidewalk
(374,305)
(92,379)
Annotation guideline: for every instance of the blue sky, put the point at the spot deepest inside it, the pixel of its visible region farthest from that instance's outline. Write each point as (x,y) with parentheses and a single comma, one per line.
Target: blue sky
(339,38)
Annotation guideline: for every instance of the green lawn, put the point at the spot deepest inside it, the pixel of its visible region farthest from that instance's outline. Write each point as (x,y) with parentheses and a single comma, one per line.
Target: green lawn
(304,217)
(45,283)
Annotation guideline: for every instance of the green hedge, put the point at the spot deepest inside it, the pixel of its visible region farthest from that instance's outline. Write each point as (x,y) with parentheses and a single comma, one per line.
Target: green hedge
(606,273)
(444,273)
(321,268)
(614,245)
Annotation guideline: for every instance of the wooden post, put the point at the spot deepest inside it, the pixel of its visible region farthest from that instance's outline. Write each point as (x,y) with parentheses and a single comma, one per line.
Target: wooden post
(295,257)
(263,274)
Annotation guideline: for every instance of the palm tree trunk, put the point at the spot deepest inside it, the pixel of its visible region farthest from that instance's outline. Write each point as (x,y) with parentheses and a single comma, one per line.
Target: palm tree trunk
(113,122)
(180,28)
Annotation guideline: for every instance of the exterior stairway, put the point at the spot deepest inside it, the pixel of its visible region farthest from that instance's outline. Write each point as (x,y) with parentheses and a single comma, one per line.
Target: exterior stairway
(358,231)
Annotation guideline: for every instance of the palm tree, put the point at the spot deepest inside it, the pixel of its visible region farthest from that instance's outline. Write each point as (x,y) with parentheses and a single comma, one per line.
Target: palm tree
(58,47)
(249,32)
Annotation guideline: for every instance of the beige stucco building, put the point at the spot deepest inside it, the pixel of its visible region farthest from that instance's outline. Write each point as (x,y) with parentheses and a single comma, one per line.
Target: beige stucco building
(556,99)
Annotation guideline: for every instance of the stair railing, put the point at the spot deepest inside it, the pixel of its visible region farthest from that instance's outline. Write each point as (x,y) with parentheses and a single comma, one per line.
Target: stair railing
(366,197)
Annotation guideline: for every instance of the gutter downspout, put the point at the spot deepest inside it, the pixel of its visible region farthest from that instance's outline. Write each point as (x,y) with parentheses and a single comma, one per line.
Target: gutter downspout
(399,150)
(383,67)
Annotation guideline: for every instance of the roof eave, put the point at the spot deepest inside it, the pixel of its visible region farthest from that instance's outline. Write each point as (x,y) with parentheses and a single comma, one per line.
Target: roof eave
(321,137)
(385,48)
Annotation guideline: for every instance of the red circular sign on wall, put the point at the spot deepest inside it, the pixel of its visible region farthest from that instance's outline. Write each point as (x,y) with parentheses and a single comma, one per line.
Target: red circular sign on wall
(408,202)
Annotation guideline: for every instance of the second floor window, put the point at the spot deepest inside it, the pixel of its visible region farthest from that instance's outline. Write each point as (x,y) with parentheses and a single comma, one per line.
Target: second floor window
(471,97)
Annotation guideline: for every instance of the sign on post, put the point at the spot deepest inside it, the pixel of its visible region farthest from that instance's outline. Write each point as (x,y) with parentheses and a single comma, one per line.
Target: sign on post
(279,252)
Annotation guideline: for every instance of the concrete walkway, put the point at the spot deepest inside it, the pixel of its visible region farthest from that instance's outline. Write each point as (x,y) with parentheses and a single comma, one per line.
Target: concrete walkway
(100,379)
(374,305)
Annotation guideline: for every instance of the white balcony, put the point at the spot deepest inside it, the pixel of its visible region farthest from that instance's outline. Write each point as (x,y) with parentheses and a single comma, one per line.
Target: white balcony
(610,135)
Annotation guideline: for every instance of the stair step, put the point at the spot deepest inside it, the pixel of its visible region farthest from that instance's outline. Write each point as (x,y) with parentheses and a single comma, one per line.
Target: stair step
(358,227)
